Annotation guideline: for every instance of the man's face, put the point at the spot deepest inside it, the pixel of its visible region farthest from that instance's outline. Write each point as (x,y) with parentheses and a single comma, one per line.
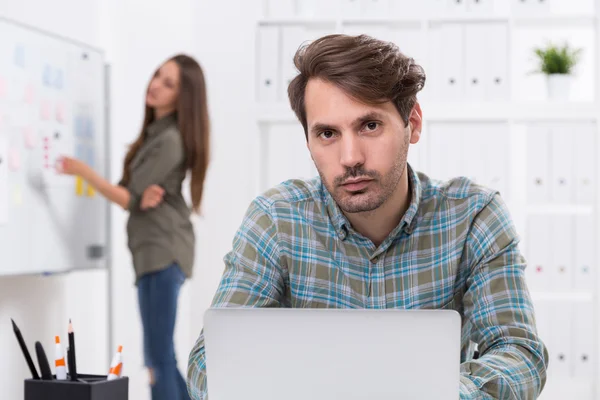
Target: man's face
(359,150)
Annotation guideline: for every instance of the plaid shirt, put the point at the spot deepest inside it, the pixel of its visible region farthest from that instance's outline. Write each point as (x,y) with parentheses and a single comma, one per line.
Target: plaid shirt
(455,248)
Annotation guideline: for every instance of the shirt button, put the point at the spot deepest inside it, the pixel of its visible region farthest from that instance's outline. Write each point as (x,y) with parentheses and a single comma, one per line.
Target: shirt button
(375,259)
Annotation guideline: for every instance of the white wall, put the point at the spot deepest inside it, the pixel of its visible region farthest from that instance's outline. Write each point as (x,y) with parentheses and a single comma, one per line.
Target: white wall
(228,58)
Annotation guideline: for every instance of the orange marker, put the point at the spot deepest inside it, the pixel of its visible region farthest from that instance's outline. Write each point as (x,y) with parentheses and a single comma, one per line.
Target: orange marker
(59,361)
(116,366)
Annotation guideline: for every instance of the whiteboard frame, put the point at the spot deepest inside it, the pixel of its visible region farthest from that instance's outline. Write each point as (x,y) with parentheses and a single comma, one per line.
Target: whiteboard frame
(105,173)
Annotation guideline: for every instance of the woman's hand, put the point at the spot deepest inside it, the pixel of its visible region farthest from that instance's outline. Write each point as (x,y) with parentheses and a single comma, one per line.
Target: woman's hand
(71,166)
(114,193)
(152,197)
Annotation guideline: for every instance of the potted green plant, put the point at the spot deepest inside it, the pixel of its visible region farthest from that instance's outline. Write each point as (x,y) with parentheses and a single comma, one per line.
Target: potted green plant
(557,63)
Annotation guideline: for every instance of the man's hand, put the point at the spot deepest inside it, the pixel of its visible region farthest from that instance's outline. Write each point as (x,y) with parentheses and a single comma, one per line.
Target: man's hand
(152,197)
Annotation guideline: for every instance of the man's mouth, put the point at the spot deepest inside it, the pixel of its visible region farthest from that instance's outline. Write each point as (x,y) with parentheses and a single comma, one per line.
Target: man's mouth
(356,184)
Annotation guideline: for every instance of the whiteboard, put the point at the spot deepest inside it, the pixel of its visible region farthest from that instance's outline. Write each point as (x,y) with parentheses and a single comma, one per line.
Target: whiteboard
(52,102)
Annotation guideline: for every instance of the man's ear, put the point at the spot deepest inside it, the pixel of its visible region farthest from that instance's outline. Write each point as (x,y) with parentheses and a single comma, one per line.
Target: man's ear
(415,123)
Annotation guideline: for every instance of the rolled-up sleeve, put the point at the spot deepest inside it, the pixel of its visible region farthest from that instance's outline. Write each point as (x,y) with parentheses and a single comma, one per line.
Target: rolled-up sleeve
(252,278)
(499,314)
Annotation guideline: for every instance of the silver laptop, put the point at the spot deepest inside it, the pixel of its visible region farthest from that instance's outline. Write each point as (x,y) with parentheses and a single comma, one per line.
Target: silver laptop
(325,354)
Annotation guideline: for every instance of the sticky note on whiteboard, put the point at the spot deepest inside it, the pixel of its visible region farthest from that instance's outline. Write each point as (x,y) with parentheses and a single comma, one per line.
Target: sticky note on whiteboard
(29,95)
(78,186)
(60,113)
(90,191)
(80,151)
(58,79)
(45,110)
(30,137)
(14,159)
(90,157)
(19,56)
(47,75)
(89,127)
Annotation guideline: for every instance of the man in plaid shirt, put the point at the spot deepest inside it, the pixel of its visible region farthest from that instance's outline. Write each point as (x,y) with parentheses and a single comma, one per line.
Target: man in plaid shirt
(370,232)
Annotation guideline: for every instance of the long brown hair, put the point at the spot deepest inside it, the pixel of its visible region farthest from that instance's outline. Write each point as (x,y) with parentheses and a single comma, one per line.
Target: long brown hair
(370,70)
(193,124)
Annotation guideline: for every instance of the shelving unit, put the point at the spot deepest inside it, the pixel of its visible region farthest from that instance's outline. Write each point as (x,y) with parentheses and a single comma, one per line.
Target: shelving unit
(516,116)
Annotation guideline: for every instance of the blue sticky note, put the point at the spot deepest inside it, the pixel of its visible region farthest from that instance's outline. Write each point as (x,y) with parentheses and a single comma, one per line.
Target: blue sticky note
(90,156)
(91,129)
(47,75)
(58,79)
(77,125)
(80,152)
(19,56)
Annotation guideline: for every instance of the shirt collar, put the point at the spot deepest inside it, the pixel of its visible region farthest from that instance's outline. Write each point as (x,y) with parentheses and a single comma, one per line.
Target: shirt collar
(160,125)
(409,218)
(407,223)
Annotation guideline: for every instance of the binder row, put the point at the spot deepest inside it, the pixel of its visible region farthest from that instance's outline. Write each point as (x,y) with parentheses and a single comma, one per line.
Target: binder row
(568,331)
(464,62)
(561,163)
(560,250)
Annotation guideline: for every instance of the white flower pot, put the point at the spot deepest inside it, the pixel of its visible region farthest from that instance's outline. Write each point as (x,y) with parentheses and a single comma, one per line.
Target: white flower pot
(559,86)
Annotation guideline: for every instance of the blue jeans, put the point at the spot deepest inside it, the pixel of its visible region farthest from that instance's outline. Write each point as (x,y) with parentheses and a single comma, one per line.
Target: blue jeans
(157,294)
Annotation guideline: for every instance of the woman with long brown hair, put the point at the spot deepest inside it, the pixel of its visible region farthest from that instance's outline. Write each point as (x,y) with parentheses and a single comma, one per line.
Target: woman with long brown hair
(174,140)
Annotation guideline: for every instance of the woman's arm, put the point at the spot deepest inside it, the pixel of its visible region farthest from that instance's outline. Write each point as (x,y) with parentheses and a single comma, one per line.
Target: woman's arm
(114,193)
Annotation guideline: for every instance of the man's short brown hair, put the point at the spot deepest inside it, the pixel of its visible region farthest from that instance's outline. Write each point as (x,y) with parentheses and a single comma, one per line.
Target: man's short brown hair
(370,70)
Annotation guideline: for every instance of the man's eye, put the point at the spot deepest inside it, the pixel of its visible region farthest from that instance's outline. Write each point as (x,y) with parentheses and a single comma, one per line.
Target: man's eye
(327,134)
(371,126)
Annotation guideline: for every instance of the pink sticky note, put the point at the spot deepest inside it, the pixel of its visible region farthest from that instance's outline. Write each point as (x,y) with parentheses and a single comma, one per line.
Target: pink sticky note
(30,137)
(29,94)
(14,159)
(45,110)
(60,112)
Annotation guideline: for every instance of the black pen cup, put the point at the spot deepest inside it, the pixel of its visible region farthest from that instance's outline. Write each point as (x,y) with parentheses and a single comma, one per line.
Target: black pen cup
(88,387)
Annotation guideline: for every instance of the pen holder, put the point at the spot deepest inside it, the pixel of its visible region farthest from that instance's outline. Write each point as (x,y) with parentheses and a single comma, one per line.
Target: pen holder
(89,387)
